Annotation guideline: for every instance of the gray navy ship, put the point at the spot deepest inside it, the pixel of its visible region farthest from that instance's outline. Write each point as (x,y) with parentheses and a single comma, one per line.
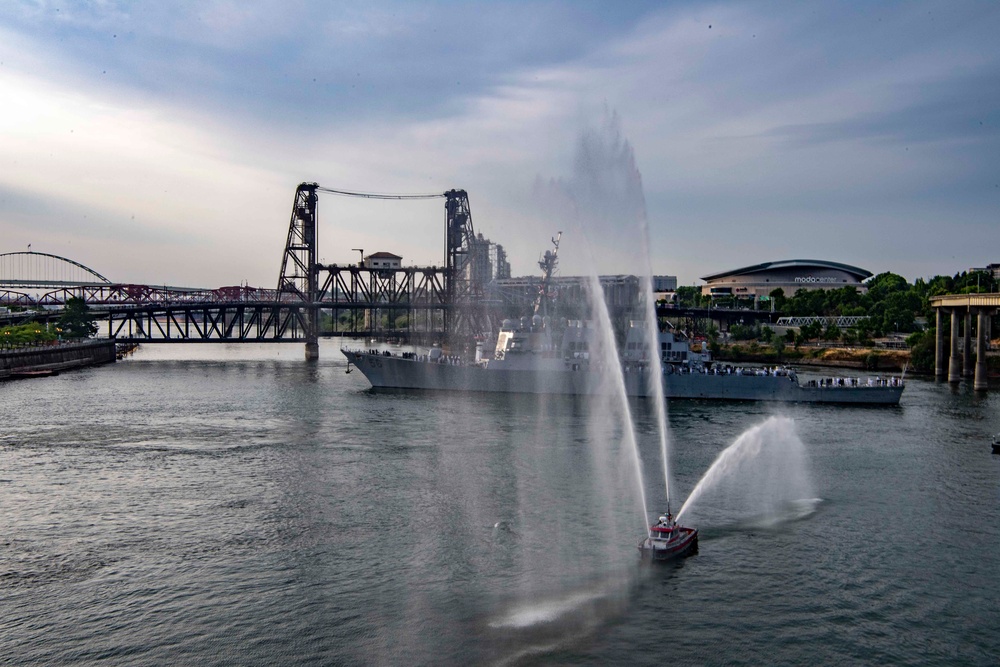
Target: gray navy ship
(534,356)
(526,360)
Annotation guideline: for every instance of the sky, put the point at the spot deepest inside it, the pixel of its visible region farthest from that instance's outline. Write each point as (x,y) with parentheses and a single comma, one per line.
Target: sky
(161,143)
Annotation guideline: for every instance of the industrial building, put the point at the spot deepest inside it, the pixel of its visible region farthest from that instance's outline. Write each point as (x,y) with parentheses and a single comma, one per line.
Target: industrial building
(790,275)
(992,269)
(620,291)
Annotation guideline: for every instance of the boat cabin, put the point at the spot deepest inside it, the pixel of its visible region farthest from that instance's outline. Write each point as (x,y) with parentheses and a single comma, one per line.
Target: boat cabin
(664,528)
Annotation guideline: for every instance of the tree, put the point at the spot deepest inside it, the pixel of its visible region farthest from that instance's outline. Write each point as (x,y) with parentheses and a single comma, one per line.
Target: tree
(898,311)
(811,330)
(688,296)
(76,320)
(744,331)
(713,339)
(922,350)
(778,295)
(885,284)
(25,334)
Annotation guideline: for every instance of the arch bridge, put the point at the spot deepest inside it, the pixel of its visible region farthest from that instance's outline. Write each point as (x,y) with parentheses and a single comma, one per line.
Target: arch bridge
(23,274)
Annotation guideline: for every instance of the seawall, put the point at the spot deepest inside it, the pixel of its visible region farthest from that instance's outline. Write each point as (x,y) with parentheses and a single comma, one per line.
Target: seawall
(48,359)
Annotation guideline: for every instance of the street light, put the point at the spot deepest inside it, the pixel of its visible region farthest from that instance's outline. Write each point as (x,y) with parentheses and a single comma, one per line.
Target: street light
(361,250)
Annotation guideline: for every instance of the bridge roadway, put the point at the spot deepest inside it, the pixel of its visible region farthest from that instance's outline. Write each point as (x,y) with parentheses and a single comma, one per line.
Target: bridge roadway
(258,322)
(150,315)
(983,306)
(277,321)
(727,315)
(361,296)
(350,300)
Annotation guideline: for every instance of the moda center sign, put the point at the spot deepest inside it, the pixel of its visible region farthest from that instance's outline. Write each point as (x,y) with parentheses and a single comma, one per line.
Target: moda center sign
(815,279)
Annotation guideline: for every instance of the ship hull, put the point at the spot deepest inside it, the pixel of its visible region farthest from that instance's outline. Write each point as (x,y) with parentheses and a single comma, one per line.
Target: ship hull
(395,372)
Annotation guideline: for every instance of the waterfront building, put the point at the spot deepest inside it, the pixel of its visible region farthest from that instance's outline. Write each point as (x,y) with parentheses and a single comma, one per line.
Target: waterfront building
(790,275)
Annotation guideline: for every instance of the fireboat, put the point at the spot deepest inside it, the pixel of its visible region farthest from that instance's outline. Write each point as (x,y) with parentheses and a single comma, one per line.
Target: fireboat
(667,540)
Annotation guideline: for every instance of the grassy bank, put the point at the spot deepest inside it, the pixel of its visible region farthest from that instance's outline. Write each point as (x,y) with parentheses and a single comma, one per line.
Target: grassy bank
(843,357)
(869,359)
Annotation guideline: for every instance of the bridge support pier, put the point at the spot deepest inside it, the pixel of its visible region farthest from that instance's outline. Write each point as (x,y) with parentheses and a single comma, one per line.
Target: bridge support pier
(982,306)
(312,334)
(954,370)
(938,345)
(982,332)
(967,345)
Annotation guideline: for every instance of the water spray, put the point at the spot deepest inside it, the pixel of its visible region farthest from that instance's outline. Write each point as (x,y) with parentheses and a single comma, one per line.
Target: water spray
(768,459)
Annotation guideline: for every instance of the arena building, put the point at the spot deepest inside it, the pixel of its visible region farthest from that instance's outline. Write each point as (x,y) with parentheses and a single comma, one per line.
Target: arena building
(790,275)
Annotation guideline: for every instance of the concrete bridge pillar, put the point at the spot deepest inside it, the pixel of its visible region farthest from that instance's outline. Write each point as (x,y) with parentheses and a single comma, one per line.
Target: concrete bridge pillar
(982,333)
(938,345)
(312,334)
(954,370)
(967,345)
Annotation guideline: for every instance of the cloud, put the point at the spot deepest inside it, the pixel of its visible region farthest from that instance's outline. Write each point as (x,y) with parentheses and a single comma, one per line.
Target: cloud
(298,63)
(85,172)
(835,132)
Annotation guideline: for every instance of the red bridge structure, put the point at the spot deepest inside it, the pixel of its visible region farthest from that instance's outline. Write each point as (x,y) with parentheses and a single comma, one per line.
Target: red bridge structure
(311,299)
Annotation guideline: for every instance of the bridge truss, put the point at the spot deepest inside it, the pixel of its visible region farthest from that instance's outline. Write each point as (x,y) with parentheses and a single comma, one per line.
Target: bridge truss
(311,300)
(351,301)
(842,321)
(449,302)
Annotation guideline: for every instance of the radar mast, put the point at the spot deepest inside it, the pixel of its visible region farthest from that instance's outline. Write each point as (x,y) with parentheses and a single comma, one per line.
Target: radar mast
(547,264)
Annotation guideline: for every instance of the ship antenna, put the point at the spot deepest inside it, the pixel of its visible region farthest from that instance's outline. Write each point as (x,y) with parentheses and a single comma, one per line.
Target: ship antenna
(548,265)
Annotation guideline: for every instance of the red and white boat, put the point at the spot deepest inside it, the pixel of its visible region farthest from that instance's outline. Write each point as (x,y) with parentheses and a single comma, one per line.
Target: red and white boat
(667,540)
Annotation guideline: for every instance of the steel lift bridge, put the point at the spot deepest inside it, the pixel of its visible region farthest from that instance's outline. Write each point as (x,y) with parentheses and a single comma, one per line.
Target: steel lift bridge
(447,304)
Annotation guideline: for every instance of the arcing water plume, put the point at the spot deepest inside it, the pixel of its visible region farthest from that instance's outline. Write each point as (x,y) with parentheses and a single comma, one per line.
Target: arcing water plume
(655,375)
(763,471)
(604,200)
(609,359)
(608,182)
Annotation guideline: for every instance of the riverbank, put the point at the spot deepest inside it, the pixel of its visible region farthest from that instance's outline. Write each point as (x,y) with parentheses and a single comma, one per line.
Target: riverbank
(867,359)
(50,359)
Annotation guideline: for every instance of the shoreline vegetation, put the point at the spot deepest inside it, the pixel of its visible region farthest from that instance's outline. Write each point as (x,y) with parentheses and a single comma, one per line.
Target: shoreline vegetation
(892,325)
(868,359)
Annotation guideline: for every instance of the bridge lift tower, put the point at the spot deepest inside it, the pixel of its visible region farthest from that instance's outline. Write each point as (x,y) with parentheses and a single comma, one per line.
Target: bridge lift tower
(299,278)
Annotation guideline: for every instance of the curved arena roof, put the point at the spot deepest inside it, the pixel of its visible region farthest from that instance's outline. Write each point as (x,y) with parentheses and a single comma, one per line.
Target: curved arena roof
(860,274)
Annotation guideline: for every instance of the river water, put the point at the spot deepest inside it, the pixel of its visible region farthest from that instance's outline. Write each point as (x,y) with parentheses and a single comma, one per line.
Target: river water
(218,505)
